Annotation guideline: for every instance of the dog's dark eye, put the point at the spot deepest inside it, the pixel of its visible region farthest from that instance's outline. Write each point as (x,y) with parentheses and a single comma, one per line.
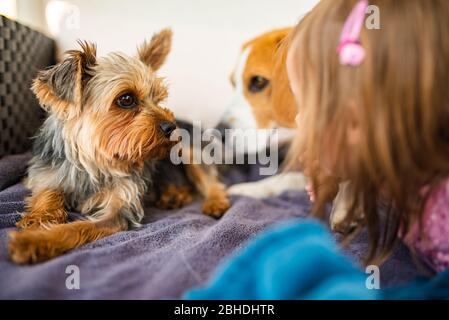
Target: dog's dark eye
(127,101)
(258,83)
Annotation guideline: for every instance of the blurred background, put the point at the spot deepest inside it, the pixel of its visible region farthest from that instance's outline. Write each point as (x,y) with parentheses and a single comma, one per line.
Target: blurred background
(208,35)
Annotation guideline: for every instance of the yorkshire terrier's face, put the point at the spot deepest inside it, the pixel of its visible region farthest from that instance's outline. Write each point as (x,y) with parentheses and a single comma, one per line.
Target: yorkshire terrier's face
(110,106)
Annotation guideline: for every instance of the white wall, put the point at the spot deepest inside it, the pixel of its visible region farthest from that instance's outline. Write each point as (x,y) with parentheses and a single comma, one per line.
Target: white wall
(8,8)
(28,12)
(32,13)
(207,38)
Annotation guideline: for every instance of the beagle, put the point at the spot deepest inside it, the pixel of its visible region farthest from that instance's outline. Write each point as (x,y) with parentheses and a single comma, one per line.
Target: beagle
(263,100)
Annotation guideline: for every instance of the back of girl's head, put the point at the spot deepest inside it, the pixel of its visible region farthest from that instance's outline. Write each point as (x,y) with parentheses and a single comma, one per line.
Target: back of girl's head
(396,103)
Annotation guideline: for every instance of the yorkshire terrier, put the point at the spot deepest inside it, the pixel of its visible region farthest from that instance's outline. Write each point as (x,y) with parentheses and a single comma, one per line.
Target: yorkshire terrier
(100,152)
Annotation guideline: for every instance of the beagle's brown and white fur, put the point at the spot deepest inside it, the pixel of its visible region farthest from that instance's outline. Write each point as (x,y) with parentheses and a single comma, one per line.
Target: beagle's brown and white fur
(263,99)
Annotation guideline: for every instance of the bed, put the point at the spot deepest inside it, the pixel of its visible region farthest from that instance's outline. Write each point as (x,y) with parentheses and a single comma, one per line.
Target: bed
(174,251)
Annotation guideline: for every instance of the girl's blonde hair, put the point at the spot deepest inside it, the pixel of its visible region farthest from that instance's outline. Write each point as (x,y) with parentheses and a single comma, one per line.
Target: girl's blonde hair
(399,99)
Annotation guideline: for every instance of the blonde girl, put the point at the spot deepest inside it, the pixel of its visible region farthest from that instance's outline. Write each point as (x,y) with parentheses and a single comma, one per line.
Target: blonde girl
(374,110)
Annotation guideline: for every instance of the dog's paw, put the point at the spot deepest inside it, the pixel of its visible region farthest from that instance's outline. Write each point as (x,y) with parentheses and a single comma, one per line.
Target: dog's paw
(215,206)
(269,187)
(344,227)
(339,223)
(174,197)
(28,247)
(33,220)
(29,222)
(250,189)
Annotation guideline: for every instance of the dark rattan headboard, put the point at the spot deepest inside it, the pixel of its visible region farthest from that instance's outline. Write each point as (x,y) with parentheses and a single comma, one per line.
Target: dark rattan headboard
(23,52)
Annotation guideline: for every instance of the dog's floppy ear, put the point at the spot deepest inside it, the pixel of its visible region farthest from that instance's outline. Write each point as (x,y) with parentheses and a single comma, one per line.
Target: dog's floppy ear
(282,99)
(59,88)
(155,52)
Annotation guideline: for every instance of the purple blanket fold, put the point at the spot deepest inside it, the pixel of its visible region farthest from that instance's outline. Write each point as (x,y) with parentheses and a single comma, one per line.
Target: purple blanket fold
(174,250)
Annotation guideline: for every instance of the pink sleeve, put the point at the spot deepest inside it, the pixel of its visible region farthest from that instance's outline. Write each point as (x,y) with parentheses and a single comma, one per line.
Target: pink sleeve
(432,244)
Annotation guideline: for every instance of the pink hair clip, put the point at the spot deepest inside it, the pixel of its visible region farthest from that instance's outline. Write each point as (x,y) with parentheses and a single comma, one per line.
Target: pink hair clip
(349,49)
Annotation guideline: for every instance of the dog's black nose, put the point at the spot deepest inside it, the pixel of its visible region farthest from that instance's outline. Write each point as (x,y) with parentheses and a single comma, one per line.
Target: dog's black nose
(222,127)
(167,127)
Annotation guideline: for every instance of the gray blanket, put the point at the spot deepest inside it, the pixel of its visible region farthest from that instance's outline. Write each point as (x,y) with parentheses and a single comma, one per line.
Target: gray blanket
(173,252)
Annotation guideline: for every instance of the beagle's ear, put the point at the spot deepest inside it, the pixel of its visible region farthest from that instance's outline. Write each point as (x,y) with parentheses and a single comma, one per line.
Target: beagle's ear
(282,98)
(154,53)
(60,88)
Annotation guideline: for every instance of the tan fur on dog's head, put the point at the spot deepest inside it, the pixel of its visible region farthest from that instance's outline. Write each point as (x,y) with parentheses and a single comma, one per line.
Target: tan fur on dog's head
(260,79)
(110,106)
